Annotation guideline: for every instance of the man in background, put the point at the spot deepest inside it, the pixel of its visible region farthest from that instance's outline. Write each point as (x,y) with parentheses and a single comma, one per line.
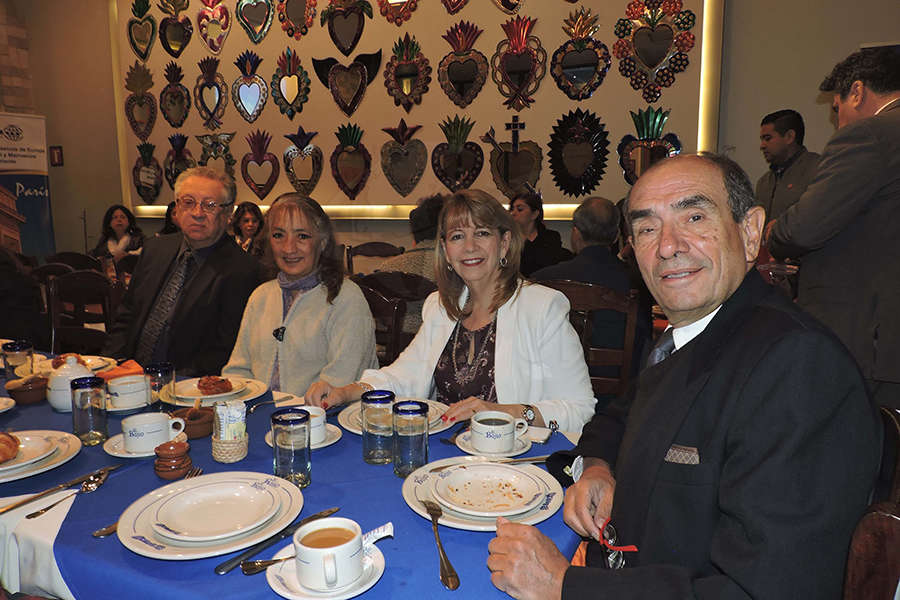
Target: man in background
(791,165)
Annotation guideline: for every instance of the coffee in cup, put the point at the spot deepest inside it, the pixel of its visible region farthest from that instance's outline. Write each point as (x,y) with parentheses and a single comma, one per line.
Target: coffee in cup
(317,424)
(495,432)
(328,553)
(144,432)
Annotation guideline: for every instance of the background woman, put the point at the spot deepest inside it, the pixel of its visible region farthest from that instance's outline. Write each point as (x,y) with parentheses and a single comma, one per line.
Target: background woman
(543,247)
(488,341)
(169,225)
(309,323)
(120,234)
(246,224)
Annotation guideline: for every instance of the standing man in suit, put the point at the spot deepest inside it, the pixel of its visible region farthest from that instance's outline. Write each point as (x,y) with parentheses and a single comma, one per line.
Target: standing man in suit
(791,165)
(187,295)
(845,226)
(739,465)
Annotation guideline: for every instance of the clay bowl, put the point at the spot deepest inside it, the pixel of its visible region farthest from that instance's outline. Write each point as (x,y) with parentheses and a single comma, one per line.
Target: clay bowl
(171,474)
(198,423)
(172,449)
(29,392)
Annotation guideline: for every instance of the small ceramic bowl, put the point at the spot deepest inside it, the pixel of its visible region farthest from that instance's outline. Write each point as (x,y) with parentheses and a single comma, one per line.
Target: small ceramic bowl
(172,449)
(171,474)
(198,423)
(129,391)
(30,391)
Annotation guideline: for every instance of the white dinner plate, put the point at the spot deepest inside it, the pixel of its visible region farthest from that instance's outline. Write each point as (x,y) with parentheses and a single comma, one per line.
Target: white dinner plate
(136,533)
(464,443)
(487,490)
(332,434)
(6,404)
(32,448)
(282,577)
(115,446)
(188,390)
(214,511)
(417,487)
(253,388)
(351,418)
(65,447)
(44,364)
(39,360)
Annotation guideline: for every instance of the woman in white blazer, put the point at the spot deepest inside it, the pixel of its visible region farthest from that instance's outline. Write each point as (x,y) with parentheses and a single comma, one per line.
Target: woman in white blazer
(489,340)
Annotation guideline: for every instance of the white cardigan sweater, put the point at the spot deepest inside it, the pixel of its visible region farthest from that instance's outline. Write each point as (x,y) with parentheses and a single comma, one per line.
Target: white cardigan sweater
(334,342)
(538,358)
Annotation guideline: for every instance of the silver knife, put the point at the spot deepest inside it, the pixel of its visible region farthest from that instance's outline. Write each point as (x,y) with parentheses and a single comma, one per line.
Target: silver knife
(284,533)
(55,488)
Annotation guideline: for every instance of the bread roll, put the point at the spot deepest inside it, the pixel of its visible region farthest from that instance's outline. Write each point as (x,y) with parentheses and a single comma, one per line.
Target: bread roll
(9,447)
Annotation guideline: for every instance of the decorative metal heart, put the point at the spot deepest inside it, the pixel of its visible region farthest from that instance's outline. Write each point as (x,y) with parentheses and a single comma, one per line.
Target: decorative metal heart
(580,66)
(454,6)
(260,189)
(651,46)
(303,170)
(347,85)
(173,166)
(174,34)
(512,170)
(517,70)
(147,179)
(141,114)
(462,76)
(404,164)
(217,146)
(141,33)
(509,6)
(578,150)
(457,170)
(211,100)
(351,168)
(345,27)
(249,96)
(255,16)
(214,25)
(175,103)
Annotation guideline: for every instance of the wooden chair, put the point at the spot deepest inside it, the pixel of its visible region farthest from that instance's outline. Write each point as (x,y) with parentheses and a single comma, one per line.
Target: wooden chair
(80,289)
(388,315)
(77,261)
(411,288)
(380,249)
(126,264)
(887,486)
(585,298)
(43,275)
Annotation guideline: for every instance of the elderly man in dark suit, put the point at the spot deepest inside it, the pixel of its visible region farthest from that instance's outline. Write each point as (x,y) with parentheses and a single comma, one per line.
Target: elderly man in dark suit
(187,295)
(740,463)
(845,227)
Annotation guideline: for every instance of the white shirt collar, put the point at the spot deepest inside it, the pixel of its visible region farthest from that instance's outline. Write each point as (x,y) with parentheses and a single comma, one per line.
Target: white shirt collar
(886,104)
(684,334)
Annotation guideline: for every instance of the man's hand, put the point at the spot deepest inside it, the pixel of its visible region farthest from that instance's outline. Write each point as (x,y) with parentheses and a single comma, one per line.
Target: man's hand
(524,563)
(589,500)
(767,235)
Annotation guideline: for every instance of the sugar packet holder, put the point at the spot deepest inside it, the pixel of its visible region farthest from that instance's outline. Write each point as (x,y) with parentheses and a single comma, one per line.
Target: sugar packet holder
(230,438)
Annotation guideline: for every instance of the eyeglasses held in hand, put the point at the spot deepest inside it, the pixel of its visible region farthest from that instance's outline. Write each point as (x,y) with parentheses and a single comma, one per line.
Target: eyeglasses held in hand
(208,206)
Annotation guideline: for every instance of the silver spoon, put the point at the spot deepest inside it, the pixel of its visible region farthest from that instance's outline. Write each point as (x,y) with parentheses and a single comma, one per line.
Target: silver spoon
(87,486)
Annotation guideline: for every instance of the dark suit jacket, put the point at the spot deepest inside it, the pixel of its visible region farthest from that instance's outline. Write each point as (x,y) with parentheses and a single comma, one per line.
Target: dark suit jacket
(208,314)
(788,445)
(845,229)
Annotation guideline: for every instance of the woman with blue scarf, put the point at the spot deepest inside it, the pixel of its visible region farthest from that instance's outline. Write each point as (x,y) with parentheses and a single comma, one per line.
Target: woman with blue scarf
(309,323)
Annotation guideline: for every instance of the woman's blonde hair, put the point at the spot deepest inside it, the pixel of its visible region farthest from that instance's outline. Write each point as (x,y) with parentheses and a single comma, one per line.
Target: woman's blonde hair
(480,209)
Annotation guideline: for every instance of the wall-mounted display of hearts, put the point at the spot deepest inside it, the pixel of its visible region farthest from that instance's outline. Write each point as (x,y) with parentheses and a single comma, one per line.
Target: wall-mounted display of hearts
(580,65)
(462,73)
(403,159)
(346,20)
(578,149)
(174,32)
(397,11)
(519,63)
(515,165)
(303,161)
(214,24)
(296,17)
(141,29)
(351,162)
(256,17)
(217,146)
(178,159)
(175,99)
(249,92)
(147,174)
(457,162)
(259,167)
(210,93)
(140,106)
(348,84)
(454,6)
(290,84)
(637,154)
(407,74)
(654,39)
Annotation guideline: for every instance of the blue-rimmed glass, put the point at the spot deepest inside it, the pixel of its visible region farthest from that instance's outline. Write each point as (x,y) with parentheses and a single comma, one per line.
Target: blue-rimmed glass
(377,428)
(410,436)
(290,444)
(160,382)
(89,409)
(16,354)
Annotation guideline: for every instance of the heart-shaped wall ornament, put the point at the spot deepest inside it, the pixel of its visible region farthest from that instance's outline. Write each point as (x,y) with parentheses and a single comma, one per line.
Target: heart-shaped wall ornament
(351,162)
(348,84)
(217,146)
(454,6)
(654,39)
(303,161)
(637,154)
(346,20)
(249,92)
(403,159)
(462,73)
(578,149)
(210,93)
(580,65)
(259,167)
(457,162)
(519,63)
(516,165)
(407,74)
(397,11)
(178,159)
(214,24)
(174,32)
(509,6)
(147,174)
(140,106)
(296,17)
(175,99)
(256,17)
(141,29)
(290,84)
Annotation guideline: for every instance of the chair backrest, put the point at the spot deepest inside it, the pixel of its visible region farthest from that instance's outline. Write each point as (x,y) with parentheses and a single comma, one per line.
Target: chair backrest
(411,288)
(127,263)
(873,563)
(77,261)
(81,290)
(887,486)
(388,315)
(44,274)
(585,299)
(382,249)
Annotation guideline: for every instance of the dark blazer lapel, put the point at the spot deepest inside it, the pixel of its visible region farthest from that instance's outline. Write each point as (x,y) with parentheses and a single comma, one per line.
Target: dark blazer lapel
(158,269)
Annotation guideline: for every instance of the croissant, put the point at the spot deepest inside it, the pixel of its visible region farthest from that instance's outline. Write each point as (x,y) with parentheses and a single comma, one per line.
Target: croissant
(9,447)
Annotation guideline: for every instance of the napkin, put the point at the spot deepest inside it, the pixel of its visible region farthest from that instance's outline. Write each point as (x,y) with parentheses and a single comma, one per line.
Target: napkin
(129,367)
(282,400)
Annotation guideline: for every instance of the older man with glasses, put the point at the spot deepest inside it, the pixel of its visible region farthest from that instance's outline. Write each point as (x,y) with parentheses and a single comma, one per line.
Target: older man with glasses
(187,295)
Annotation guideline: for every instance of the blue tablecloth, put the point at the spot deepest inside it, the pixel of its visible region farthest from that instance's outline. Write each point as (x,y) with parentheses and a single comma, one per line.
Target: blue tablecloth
(371,495)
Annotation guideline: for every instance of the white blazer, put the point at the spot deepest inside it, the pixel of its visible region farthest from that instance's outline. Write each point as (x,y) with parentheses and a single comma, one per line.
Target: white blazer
(538,358)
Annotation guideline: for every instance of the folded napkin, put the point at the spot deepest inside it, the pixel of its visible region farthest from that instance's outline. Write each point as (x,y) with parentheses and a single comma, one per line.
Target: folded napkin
(129,367)
(283,400)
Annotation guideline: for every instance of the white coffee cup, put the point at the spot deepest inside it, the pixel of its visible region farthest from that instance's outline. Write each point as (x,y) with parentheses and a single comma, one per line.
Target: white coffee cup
(329,553)
(129,391)
(495,432)
(144,432)
(317,424)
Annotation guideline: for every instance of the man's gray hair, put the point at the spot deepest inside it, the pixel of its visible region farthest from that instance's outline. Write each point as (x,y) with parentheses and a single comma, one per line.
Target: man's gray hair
(597,220)
(212,174)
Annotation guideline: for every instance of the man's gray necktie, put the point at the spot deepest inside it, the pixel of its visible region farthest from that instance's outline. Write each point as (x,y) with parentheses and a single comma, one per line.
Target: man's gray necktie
(665,345)
(162,310)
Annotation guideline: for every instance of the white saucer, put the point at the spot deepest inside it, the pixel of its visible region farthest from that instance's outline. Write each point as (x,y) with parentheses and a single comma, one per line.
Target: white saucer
(282,578)
(332,434)
(115,446)
(6,404)
(464,443)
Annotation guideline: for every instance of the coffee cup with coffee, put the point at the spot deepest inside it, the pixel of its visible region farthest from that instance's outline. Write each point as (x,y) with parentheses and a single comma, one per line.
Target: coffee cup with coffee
(144,432)
(329,553)
(316,424)
(495,432)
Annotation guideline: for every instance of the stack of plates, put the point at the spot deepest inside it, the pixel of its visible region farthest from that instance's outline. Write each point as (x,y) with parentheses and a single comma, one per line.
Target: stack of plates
(44,365)
(186,392)
(209,515)
(39,451)
(351,417)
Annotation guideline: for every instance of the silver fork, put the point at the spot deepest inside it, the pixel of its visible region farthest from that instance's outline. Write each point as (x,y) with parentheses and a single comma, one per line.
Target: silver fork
(448,574)
(110,529)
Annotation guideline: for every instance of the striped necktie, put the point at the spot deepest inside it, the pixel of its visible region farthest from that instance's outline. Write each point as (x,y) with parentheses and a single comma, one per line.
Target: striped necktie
(665,345)
(161,313)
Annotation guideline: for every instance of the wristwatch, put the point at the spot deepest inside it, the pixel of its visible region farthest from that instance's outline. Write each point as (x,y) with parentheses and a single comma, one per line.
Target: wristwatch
(528,413)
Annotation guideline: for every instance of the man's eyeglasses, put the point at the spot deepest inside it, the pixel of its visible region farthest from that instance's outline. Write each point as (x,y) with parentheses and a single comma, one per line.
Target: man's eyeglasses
(208,206)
